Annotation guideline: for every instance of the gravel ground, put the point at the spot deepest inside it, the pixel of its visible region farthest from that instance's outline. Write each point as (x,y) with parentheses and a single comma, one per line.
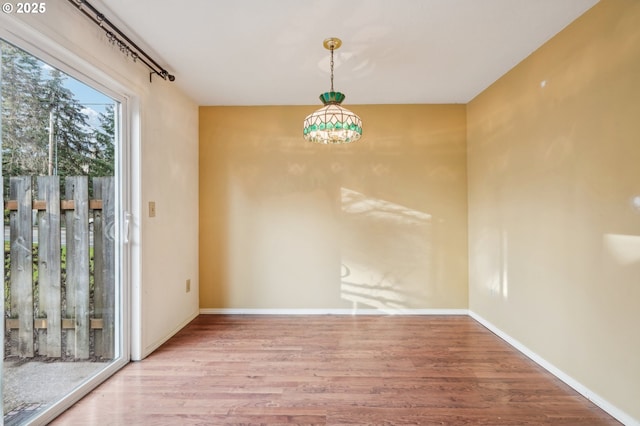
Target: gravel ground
(36,384)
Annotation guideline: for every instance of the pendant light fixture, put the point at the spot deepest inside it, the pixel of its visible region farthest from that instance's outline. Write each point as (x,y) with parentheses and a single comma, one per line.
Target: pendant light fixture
(332,124)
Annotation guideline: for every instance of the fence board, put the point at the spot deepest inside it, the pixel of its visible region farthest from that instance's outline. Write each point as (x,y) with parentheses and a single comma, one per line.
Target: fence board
(104,266)
(4,294)
(109,267)
(73,326)
(21,241)
(77,289)
(98,265)
(49,266)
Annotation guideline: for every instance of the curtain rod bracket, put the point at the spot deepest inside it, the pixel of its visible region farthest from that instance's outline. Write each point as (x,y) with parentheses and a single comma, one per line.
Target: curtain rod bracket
(163,73)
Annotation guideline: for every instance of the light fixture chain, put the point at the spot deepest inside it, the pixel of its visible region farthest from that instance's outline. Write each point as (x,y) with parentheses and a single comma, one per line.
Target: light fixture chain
(332,68)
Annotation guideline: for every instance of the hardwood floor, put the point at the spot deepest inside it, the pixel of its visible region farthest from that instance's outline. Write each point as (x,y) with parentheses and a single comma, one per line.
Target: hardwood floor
(337,370)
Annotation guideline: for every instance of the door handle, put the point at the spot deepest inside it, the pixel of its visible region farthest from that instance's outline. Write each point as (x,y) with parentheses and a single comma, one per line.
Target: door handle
(127,226)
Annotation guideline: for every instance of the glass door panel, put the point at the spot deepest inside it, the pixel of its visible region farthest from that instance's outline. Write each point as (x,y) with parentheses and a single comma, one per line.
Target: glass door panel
(62,296)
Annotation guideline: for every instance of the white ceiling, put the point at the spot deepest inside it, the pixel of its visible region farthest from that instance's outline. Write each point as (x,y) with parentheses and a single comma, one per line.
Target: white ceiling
(269,52)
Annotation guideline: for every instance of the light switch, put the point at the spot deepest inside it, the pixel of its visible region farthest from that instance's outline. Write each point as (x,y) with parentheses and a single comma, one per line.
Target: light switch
(152,209)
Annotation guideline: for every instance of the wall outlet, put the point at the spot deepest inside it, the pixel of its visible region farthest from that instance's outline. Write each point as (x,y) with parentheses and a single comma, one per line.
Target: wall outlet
(188,286)
(152,209)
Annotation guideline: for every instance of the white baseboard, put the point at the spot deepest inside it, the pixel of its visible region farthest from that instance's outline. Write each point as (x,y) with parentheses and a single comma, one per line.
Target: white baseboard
(234,311)
(620,415)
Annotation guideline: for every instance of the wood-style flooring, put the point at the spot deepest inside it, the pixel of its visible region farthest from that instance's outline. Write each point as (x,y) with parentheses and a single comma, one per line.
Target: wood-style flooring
(334,370)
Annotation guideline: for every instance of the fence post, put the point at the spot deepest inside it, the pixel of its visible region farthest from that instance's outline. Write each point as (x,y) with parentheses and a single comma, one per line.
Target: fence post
(77,288)
(21,263)
(104,266)
(49,265)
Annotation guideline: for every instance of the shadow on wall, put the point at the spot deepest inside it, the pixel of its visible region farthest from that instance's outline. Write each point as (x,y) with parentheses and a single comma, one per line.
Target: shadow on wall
(359,227)
(386,253)
(380,224)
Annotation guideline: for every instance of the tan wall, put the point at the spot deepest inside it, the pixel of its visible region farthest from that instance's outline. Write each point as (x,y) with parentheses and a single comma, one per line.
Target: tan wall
(554,202)
(379,224)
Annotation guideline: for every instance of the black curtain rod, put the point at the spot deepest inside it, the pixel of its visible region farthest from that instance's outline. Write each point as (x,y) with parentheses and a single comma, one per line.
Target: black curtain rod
(117,37)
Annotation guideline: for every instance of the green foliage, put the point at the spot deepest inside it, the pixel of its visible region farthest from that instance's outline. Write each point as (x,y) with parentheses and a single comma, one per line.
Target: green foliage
(33,95)
(104,152)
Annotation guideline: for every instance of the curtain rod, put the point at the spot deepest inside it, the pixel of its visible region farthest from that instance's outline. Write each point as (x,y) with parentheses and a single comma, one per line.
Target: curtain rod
(124,43)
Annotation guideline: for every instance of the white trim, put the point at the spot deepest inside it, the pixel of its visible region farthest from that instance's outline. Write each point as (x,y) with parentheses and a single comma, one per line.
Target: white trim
(577,386)
(252,311)
(133,184)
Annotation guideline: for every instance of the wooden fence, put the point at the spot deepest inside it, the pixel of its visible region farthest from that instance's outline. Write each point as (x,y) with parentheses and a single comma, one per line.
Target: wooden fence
(60,287)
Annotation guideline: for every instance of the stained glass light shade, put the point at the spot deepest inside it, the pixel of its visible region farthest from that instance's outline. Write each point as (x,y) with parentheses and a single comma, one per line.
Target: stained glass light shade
(332,124)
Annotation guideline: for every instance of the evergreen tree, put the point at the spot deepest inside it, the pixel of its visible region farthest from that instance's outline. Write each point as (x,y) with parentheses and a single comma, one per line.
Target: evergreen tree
(71,134)
(23,132)
(31,95)
(104,153)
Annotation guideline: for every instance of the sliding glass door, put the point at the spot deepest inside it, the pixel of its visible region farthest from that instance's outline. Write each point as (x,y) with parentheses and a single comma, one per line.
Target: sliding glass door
(63,296)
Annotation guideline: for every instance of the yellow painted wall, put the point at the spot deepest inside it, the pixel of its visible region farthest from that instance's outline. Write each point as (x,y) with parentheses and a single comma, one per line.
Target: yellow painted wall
(554,202)
(378,224)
